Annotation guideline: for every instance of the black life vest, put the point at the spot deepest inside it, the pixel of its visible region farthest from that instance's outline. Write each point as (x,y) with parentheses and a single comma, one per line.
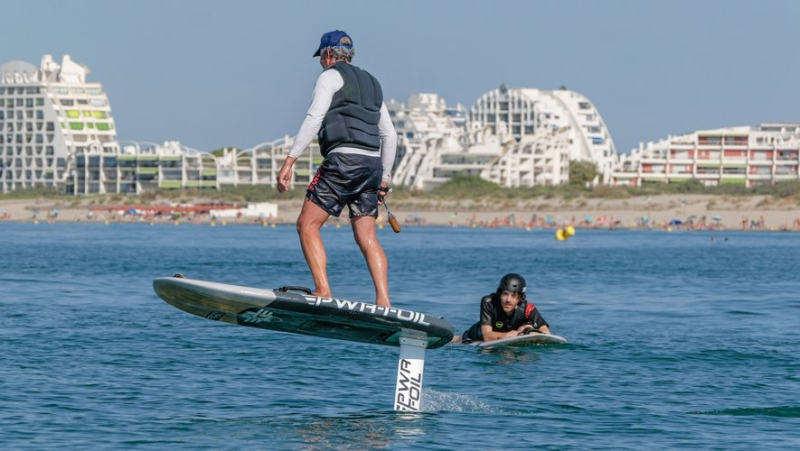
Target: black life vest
(355,111)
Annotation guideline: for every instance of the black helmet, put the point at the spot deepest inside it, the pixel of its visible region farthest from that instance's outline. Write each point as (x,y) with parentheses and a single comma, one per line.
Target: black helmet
(512,282)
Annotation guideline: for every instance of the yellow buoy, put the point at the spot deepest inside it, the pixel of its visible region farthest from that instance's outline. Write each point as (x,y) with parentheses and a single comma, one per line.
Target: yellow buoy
(338,226)
(213,224)
(224,223)
(669,229)
(560,235)
(105,222)
(380,226)
(569,231)
(272,225)
(176,223)
(528,229)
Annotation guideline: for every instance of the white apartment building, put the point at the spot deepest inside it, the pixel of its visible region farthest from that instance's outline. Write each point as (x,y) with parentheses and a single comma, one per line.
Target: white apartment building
(48,115)
(512,137)
(534,114)
(748,155)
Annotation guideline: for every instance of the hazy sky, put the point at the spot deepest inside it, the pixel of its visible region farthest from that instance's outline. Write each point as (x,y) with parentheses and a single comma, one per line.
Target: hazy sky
(238,73)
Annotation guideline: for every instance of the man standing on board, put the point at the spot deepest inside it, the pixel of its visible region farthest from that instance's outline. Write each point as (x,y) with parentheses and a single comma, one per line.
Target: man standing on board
(358,143)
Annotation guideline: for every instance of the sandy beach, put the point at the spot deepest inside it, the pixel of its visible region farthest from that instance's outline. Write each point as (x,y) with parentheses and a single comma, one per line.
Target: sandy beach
(662,211)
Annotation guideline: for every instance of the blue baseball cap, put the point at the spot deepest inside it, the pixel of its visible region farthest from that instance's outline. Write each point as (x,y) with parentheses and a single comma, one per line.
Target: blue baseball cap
(334,39)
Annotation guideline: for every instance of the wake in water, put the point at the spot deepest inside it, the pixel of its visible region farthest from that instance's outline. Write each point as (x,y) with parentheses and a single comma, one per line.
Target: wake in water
(434,401)
(779,411)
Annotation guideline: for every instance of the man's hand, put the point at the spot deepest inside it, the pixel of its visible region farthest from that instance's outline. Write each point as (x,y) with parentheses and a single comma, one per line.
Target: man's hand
(285,176)
(382,192)
(525,327)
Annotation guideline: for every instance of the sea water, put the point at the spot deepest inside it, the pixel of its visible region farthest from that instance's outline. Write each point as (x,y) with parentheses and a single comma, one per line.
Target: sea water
(682,339)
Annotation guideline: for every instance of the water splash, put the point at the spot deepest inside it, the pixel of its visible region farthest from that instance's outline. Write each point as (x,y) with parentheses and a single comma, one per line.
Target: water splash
(435,401)
(778,411)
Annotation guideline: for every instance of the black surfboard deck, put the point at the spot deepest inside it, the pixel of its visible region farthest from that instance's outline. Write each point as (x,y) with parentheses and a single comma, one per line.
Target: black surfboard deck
(288,311)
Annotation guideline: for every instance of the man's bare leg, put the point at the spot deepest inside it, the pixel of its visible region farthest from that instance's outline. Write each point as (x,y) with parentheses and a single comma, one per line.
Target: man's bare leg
(311,219)
(364,231)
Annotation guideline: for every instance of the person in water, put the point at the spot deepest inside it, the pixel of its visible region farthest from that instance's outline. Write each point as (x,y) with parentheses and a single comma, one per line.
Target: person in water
(506,313)
(358,143)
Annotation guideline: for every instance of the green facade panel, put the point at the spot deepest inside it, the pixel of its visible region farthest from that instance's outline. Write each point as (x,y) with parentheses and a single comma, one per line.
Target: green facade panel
(734,181)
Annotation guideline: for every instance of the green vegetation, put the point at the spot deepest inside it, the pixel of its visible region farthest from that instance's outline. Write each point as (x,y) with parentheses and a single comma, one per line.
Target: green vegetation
(35,193)
(460,188)
(465,187)
(581,172)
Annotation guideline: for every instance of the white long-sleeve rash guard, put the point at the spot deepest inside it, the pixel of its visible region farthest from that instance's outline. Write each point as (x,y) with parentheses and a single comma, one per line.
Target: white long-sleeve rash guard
(328,83)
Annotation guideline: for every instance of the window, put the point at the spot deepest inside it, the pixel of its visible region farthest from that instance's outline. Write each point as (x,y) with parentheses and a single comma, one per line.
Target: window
(77,90)
(39,114)
(99,102)
(40,101)
(29,103)
(67,102)
(584,105)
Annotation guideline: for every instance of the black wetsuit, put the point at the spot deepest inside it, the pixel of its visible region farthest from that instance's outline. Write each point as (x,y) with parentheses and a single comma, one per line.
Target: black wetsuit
(492,314)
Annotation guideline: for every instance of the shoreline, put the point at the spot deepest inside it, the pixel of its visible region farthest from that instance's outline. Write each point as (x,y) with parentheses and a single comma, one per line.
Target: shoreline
(695,212)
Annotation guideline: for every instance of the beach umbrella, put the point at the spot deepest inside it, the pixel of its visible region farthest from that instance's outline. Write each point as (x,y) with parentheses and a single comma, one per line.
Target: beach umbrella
(716,217)
(675,222)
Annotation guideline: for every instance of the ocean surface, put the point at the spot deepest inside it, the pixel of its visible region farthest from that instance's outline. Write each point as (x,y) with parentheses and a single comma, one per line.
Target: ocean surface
(676,340)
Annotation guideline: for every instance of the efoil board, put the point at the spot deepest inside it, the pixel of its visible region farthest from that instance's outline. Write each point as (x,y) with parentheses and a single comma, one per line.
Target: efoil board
(287,311)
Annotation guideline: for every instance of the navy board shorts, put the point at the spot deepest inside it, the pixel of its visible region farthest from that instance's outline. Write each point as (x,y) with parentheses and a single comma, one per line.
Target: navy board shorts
(347,179)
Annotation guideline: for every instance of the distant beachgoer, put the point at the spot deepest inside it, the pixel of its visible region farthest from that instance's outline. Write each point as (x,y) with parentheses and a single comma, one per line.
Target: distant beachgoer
(505,313)
(358,143)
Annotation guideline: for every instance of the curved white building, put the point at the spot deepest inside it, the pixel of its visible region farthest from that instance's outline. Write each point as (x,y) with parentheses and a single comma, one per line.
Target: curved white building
(525,114)
(49,115)
(512,137)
